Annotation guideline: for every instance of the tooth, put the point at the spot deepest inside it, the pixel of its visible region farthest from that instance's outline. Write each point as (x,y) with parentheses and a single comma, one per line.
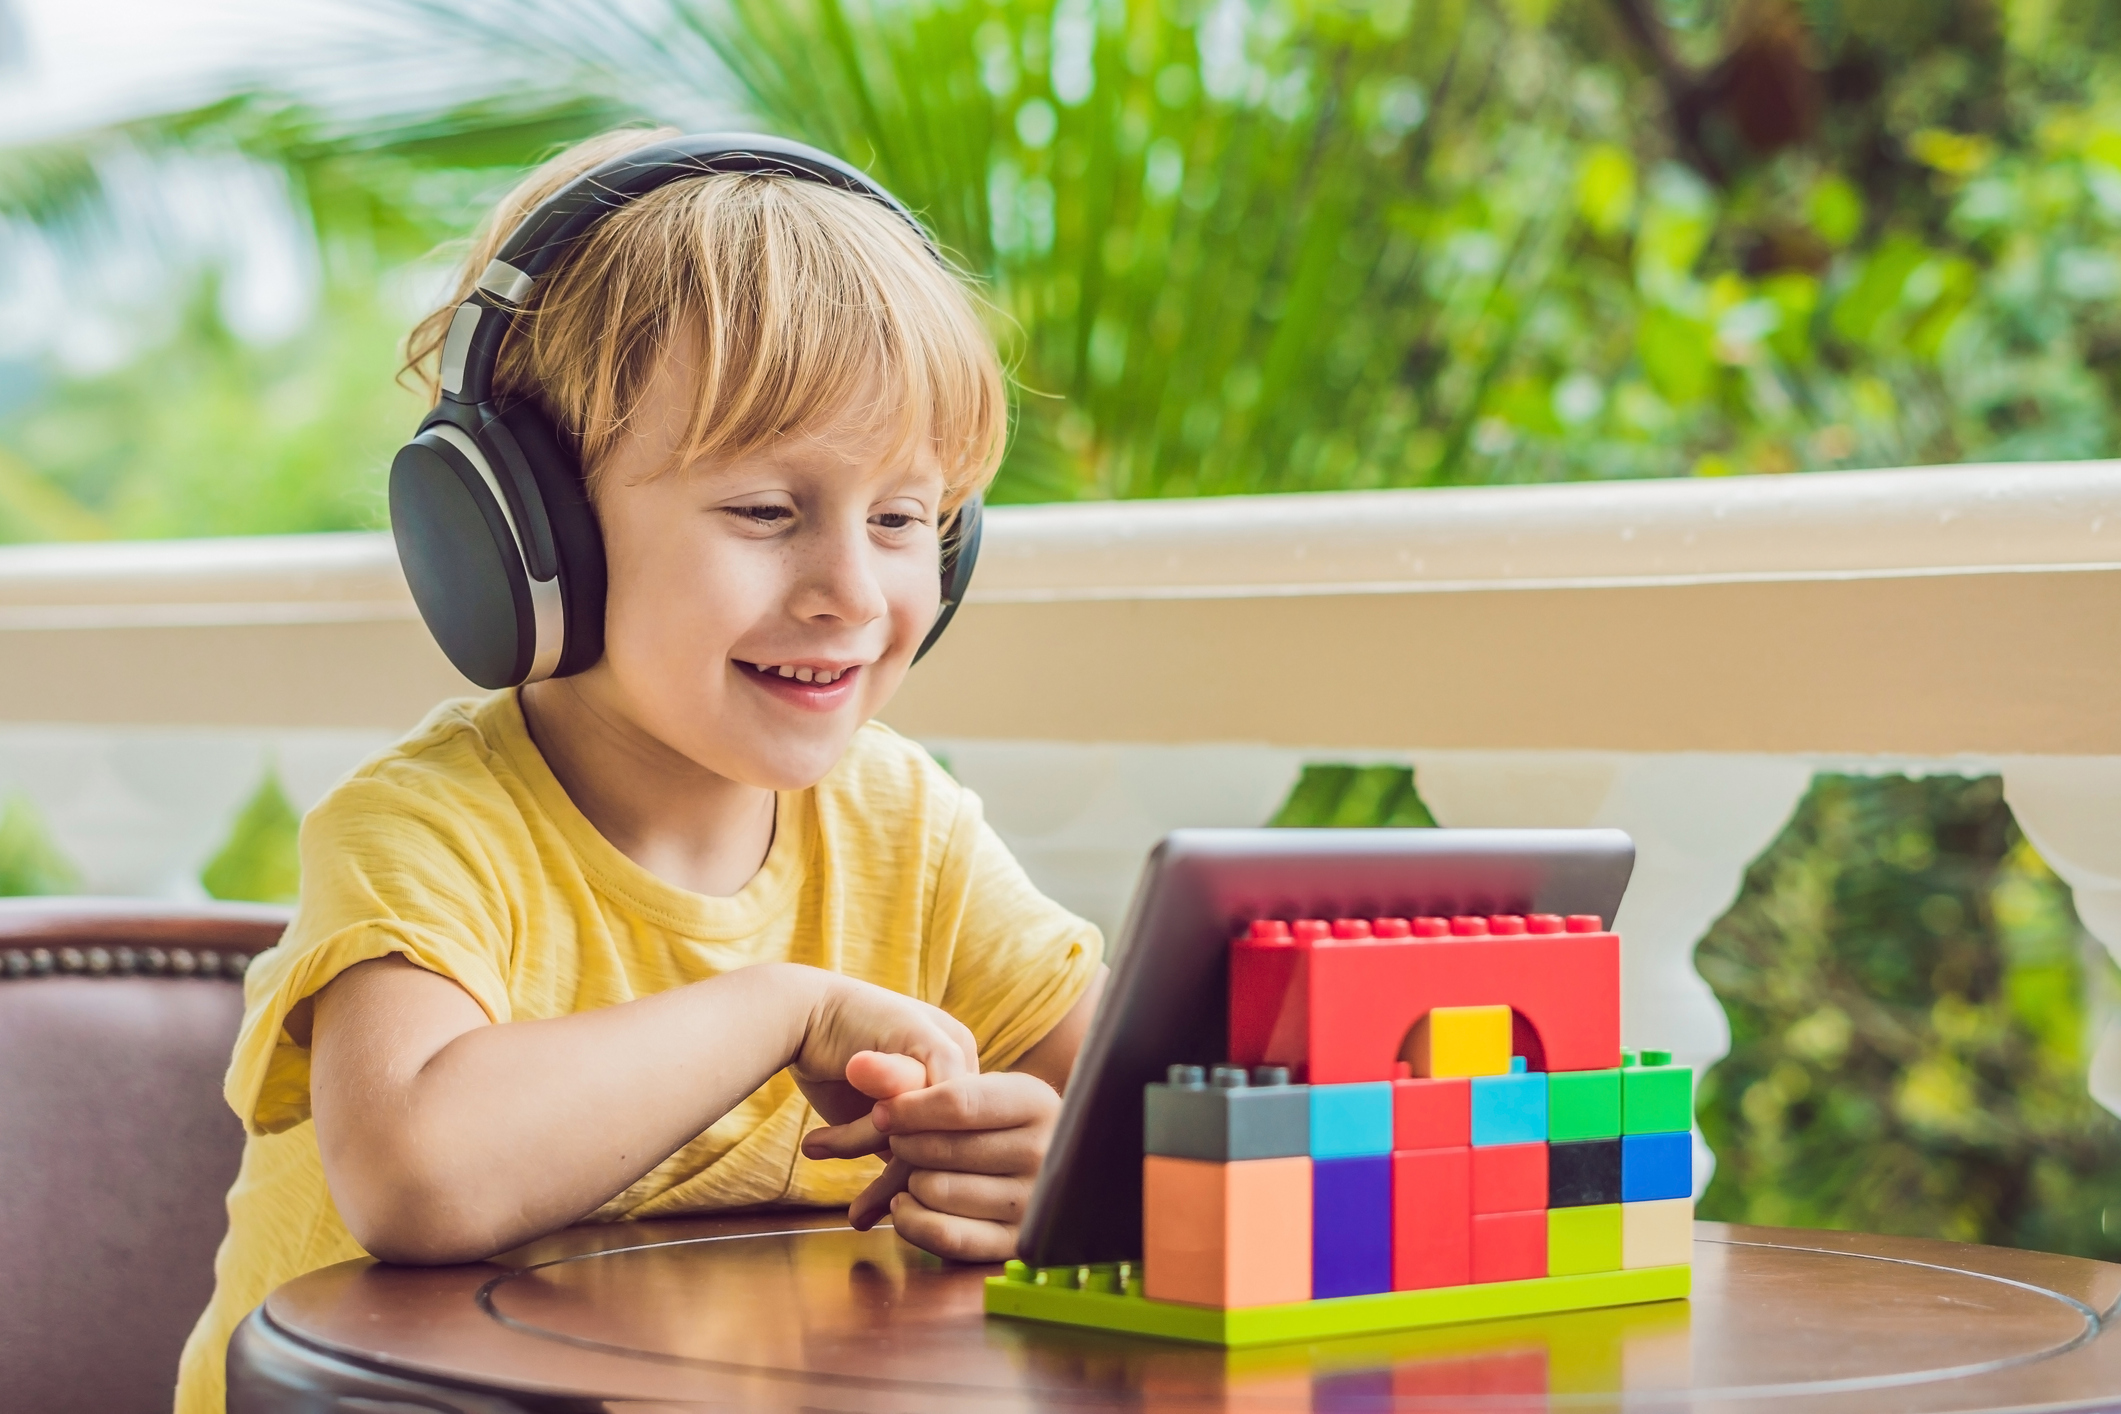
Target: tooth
(803,675)
(785,671)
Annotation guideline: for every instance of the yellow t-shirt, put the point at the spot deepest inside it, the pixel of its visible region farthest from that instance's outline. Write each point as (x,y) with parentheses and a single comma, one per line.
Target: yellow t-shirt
(459,849)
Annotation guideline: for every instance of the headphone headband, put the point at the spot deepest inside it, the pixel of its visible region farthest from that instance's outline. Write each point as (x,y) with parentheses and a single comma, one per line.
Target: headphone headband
(494,528)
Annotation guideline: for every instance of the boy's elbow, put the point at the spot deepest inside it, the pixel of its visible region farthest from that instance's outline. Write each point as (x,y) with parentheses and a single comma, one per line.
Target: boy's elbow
(408,1231)
(404,1216)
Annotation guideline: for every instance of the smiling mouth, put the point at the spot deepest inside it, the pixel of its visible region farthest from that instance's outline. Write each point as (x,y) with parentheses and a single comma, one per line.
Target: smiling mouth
(815,677)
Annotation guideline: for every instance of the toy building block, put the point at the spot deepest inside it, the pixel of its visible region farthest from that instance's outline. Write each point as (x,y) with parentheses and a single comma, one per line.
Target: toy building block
(1048,1295)
(1509,1246)
(1431,1114)
(1583,1104)
(1659,1233)
(1555,1178)
(1656,1099)
(1235,1234)
(1432,1234)
(1656,1166)
(1509,1109)
(1337,1010)
(1461,1041)
(1351,1120)
(1583,1240)
(1227,1115)
(1510,1178)
(1351,1225)
(1583,1173)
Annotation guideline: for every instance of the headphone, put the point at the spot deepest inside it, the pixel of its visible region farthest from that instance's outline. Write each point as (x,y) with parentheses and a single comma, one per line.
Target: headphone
(488,505)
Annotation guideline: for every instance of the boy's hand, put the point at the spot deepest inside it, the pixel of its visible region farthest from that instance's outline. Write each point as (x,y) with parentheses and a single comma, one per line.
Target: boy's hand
(852,1027)
(965,1152)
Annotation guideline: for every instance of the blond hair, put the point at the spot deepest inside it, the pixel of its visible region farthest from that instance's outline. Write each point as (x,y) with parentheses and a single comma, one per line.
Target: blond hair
(796,304)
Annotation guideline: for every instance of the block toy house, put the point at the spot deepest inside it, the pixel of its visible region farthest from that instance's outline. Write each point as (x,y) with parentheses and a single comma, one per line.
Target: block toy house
(1420,1121)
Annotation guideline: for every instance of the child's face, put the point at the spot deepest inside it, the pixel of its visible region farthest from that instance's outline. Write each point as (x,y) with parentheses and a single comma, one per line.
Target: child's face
(762,609)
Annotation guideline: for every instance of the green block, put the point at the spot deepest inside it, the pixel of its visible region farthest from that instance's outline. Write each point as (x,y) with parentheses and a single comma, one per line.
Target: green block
(1656,1099)
(1022,1296)
(1583,1104)
(1583,1240)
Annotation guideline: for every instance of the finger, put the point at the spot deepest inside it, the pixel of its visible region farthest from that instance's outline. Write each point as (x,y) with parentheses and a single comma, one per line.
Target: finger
(882,1074)
(870,1205)
(944,1046)
(947,1235)
(1001,1100)
(851,1140)
(970,1195)
(836,1101)
(995,1151)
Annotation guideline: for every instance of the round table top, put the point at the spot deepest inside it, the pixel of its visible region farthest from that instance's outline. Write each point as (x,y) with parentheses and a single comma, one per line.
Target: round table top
(798,1312)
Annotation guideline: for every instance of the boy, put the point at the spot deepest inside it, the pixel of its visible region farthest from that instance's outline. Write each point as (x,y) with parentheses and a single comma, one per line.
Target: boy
(596,949)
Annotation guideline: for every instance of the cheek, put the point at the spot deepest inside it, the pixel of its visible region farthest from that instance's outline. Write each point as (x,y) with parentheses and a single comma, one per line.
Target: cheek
(670,587)
(914,589)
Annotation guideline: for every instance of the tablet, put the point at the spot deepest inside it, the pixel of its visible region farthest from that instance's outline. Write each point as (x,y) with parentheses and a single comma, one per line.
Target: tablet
(1167,999)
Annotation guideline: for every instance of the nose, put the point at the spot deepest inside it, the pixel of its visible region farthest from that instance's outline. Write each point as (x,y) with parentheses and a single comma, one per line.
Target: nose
(836,573)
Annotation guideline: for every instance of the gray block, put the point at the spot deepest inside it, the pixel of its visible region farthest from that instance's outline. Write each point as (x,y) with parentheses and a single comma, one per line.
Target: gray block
(1228,1119)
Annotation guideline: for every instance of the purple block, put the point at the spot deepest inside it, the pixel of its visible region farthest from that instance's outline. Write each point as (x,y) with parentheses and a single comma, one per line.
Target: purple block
(1351,1225)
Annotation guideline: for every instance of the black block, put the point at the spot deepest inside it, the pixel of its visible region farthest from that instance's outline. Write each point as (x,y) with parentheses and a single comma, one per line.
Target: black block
(1583,1172)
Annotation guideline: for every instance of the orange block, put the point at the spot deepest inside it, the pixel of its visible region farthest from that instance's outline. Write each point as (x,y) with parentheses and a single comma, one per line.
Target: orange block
(1226,1235)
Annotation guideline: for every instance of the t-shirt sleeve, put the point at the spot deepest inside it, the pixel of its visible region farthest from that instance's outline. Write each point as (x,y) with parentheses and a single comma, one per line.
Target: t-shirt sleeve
(1017,960)
(385,869)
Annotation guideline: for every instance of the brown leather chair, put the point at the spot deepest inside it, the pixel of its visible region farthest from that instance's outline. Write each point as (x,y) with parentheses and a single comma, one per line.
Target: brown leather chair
(116,1150)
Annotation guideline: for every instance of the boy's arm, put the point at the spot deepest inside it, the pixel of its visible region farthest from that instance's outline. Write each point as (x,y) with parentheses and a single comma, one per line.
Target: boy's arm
(446,1138)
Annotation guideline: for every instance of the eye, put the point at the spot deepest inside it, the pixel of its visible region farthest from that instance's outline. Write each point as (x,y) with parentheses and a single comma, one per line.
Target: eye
(762,514)
(894,520)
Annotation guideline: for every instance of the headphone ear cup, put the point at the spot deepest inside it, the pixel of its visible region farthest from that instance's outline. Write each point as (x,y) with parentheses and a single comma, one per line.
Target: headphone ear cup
(577,539)
(461,562)
(960,555)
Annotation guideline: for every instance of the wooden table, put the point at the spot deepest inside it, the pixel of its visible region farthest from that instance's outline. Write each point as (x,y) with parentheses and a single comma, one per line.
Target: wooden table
(798,1313)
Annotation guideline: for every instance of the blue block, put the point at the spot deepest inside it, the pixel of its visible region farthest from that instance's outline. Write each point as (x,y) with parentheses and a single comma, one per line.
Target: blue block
(1509,1109)
(1349,1120)
(1656,1166)
(1351,1225)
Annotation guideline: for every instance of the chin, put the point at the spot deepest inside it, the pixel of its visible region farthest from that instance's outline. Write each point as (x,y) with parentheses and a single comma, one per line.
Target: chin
(784,765)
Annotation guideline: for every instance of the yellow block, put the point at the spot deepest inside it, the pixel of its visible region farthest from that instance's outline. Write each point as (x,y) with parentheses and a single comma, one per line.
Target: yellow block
(1461,1040)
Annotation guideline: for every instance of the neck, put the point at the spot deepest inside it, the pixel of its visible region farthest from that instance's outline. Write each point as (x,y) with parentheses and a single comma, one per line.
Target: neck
(683,823)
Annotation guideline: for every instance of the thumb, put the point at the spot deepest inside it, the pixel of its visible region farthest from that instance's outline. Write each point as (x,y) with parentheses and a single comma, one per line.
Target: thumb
(882,1074)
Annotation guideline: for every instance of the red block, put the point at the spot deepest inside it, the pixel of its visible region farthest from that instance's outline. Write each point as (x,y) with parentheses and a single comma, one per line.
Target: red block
(1509,1246)
(1509,1178)
(1432,1114)
(1431,1222)
(1338,1010)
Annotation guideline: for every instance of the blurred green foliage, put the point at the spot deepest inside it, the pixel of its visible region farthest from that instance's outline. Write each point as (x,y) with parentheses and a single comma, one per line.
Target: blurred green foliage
(198,431)
(1910,998)
(260,861)
(31,862)
(1352,797)
(1253,245)
(214,436)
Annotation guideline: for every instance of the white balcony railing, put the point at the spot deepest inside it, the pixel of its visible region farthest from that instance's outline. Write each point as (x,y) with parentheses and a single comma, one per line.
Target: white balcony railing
(1675,658)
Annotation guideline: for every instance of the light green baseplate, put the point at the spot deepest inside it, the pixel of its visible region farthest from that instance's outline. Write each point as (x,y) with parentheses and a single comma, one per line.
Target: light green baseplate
(1062,1296)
